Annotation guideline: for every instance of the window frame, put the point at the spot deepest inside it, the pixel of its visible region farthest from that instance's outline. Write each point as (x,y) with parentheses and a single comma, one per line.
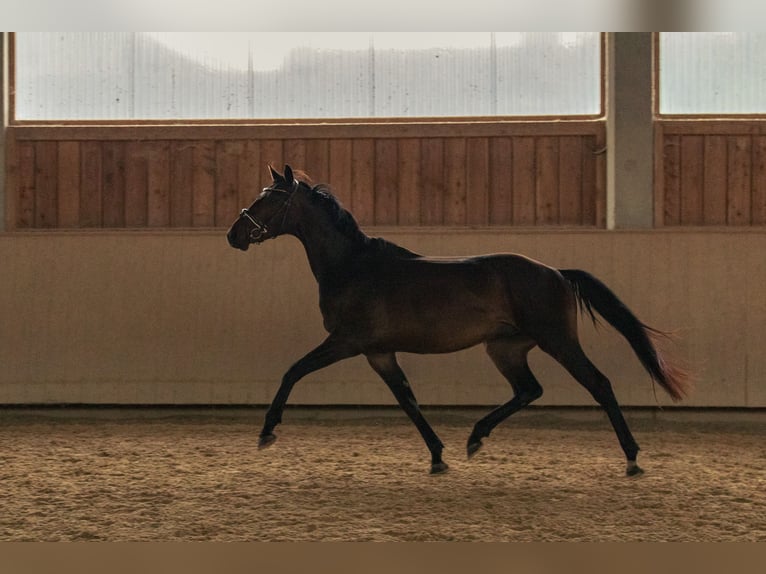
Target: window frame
(295,122)
(656,87)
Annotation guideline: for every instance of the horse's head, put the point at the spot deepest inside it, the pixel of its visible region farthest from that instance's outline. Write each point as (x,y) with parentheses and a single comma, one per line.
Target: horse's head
(266,217)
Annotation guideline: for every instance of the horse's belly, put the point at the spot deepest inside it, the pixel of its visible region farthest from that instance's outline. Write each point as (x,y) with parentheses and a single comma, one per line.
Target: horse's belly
(440,333)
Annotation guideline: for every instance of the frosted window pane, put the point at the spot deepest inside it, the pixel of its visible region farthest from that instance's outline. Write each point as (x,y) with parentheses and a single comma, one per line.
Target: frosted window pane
(712,73)
(257,75)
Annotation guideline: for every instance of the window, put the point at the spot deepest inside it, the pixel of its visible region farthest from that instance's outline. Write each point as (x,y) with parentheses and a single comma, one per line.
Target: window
(717,73)
(250,76)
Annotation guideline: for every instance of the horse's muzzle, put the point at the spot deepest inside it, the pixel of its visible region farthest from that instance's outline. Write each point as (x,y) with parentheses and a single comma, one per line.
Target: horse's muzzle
(236,242)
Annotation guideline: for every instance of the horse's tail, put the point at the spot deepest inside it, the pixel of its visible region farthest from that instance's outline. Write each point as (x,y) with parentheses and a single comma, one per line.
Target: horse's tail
(593,294)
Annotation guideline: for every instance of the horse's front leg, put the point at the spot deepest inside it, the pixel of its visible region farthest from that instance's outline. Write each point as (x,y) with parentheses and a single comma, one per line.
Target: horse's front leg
(330,351)
(386,366)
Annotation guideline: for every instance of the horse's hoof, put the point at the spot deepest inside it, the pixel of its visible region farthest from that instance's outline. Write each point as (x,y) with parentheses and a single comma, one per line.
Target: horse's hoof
(633,470)
(266,440)
(439,468)
(473,448)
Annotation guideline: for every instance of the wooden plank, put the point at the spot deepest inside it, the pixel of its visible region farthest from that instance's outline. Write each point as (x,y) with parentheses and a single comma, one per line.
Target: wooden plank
(744,126)
(409,182)
(547,181)
(339,175)
(455,181)
(250,171)
(658,161)
(671,153)
(68,184)
(11,160)
(600,153)
(500,181)
(363,181)
(25,205)
(136,184)
(181,183)
(714,180)
(279,130)
(272,154)
(158,184)
(739,177)
(203,189)
(759,181)
(318,160)
(477,181)
(91,181)
(46,184)
(589,192)
(692,187)
(432,181)
(227,205)
(570,180)
(386,182)
(295,156)
(114,184)
(524,181)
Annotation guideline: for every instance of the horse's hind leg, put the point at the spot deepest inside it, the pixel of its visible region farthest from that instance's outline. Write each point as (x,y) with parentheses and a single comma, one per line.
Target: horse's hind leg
(573,358)
(510,357)
(389,370)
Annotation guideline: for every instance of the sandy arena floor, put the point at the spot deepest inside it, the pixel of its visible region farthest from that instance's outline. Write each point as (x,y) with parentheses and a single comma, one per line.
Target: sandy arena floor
(361,475)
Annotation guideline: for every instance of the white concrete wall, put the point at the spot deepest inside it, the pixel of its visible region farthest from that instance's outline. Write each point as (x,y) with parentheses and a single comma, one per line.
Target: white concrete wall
(180,318)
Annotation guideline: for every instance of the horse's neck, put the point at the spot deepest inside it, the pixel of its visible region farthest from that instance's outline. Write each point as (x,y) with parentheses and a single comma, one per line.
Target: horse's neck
(327,249)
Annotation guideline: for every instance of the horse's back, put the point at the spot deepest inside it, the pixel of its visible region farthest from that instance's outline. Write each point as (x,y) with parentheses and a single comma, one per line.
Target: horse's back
(434,304)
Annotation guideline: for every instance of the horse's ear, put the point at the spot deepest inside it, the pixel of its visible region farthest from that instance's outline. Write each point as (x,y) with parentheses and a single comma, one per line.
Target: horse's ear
(276,177)
(289,178)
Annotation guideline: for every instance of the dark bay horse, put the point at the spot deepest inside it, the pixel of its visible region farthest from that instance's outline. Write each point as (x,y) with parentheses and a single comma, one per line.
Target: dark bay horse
(378,299)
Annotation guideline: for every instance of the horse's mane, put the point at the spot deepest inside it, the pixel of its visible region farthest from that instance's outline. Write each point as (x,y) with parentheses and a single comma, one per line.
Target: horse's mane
(321,195)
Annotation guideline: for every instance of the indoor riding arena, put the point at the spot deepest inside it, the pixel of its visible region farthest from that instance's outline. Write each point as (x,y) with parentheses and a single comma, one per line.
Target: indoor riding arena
(145,363)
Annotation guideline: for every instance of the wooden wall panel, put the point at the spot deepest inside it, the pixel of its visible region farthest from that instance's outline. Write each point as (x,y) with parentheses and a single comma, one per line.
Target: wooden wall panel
(570,180)
(363,180)
(91,181)
(690,205)
(46,184)
(711,173)
(432,182)
(500,184)
(158,184)
(203,185)
(759,181)
(386,187)
(476,180)
(181,184)
(409,170)
(339,175)
(249,170)
(547,181)
(739,169)
(671,156)
(272,154)
(136,185)
(523,177)
(69,184)
(714,168)
(454,182)
(114,184)
(227,182)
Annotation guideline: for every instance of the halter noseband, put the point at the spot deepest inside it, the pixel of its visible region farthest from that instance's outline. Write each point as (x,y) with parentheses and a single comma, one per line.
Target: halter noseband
(259,227)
